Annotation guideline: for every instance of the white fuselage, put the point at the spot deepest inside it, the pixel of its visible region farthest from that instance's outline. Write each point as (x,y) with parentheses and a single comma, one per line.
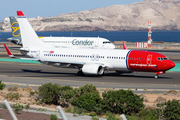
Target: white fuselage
(64,42)
(78,42)
(114,59)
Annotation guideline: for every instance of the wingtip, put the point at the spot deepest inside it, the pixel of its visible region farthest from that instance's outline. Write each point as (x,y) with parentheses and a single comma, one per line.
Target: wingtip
(124,46)
(20,13)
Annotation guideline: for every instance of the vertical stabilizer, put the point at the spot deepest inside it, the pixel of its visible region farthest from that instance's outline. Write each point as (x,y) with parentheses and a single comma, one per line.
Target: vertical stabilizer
(28,35)
(15,30)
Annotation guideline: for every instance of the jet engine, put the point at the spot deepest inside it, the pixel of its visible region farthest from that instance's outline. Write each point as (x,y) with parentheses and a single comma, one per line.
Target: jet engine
(92,69)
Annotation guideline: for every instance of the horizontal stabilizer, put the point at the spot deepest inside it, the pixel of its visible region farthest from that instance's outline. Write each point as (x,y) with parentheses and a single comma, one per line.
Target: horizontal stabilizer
(12,56)
(9,52)
(19,49)
(29,59)
(3,39)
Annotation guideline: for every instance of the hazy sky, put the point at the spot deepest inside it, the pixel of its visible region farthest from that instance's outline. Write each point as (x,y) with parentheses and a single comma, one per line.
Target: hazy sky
(50,8)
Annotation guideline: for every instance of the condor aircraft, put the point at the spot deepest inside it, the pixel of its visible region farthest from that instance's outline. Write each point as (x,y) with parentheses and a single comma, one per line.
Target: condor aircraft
(74,42)
(90,61)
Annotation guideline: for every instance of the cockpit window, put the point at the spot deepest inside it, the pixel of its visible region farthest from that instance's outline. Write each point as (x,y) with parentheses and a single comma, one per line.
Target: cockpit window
(162,58)
(106,42)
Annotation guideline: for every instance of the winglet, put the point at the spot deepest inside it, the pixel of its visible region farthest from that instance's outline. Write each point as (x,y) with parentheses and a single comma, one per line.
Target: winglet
(9,52)
(20,13)
(124,46)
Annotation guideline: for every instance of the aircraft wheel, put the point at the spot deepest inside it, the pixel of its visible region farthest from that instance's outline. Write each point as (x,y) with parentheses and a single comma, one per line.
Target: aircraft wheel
(80,73)
(156,77)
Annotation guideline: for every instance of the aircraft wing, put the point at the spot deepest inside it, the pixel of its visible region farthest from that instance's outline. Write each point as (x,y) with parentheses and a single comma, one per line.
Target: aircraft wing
(63,64)
(124,46)
(77,65)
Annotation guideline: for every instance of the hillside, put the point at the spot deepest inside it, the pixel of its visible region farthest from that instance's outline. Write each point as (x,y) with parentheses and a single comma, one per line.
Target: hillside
(164,15)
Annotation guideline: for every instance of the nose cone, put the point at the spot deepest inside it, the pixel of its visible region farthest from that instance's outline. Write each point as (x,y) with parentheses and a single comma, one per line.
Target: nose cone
(112,46)
(170,64)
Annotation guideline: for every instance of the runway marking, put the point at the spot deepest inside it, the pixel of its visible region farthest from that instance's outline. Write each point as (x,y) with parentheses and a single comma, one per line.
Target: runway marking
(35,85)
(91,81)
(20,63)
(31,64)
(18,60)
(176,68)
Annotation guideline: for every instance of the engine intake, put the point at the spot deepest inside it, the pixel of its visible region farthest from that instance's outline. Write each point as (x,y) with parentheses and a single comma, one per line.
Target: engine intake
(92,69)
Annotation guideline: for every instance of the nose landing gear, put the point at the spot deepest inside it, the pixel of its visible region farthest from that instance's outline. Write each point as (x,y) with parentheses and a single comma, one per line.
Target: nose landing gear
(157,74)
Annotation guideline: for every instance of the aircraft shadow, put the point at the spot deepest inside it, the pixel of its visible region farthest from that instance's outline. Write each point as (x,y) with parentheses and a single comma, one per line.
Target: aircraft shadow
(48,74)
(60,74)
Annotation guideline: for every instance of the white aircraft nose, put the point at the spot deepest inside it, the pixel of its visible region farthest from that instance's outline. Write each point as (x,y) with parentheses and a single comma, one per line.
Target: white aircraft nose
(113,46)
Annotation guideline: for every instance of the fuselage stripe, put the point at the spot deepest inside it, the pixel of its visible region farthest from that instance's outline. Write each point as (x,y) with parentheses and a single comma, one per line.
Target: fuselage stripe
(21,17)
(127,59)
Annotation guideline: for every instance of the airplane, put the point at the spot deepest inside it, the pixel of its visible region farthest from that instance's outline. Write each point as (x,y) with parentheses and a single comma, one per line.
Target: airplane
(76,42)
(90,61)
(16,39)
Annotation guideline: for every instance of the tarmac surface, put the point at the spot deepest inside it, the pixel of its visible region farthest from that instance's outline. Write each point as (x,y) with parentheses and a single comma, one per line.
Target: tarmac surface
(38,74)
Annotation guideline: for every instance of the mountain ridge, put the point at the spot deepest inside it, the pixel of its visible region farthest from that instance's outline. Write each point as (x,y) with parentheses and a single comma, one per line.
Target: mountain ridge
(163,14)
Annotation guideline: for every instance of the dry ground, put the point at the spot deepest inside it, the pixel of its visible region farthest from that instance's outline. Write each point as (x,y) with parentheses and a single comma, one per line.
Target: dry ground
(150,100)
(25,115)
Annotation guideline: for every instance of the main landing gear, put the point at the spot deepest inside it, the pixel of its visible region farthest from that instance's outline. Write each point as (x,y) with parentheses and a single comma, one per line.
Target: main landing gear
(80,73)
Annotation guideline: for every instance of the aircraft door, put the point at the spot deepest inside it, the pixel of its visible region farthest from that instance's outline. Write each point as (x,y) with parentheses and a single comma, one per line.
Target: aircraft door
(96,43)
(38,54)
(149,59)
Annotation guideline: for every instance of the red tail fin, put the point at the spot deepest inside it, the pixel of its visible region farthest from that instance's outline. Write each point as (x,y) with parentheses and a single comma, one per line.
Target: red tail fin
(20,13)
